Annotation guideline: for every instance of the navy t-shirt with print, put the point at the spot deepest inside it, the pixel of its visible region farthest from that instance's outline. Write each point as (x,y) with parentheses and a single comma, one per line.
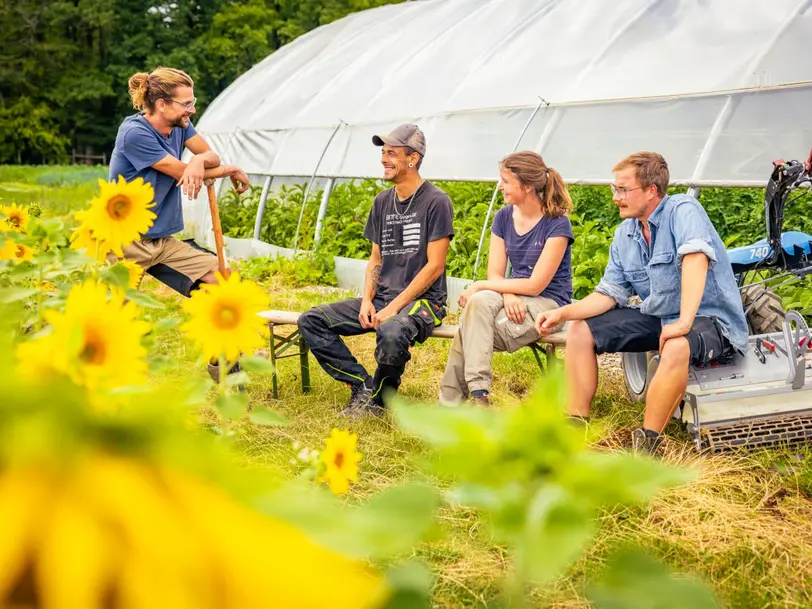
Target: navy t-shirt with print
(523,251)
(138,147)
(403,231)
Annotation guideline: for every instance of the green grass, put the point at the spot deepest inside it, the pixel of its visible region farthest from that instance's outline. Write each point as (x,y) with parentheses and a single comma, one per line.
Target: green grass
(59,190)
(745,526)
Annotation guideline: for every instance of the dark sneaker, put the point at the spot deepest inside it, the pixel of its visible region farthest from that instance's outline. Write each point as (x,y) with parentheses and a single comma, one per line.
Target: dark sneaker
(645,441)
(360,395)
(373,407)
(480,397)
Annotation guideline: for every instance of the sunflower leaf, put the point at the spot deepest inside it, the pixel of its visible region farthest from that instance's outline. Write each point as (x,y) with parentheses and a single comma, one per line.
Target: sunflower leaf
(256,364)
(117,275)
(236,378)
(14,294)
(267,417)
(165,324)
(232,406)
(410,585)
(144,300)
(634,580)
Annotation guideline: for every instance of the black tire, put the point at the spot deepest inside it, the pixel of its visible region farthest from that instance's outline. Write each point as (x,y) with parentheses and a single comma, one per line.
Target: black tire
(638,370)
(763,309)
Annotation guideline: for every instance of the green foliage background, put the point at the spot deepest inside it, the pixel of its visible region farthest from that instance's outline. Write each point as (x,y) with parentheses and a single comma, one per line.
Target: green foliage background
(64,64)
(738,215)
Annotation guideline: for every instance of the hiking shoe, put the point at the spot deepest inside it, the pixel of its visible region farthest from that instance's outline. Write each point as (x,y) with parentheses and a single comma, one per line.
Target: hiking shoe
(360,395)
(373,407)
(480,397)
(214,373)
(645,441)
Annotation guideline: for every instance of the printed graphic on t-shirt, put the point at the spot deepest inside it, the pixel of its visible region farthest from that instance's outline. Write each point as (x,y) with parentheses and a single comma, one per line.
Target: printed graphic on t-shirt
(407,228)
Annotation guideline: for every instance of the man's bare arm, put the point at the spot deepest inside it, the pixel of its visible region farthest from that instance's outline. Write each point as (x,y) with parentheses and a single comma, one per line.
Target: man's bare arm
(203,152)
(373,273)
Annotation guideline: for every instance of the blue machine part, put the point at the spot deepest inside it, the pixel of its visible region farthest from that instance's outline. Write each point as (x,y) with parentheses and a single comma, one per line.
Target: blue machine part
(796,245)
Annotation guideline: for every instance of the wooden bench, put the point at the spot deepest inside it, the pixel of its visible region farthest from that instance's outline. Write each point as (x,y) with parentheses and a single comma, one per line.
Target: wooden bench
(279,344)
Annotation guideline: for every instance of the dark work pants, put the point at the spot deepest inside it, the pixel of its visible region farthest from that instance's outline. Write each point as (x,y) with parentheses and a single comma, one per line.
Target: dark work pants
(323,325)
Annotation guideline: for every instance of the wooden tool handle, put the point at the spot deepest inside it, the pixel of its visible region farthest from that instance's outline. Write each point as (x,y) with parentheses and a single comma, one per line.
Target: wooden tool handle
(218,230)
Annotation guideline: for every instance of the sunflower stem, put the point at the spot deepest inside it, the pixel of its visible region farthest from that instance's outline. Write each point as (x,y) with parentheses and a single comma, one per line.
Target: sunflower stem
(96,262)
(40,290)
(222,365)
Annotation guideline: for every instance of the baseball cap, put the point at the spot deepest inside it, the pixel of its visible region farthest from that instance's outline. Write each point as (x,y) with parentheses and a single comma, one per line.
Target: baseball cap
(404,135)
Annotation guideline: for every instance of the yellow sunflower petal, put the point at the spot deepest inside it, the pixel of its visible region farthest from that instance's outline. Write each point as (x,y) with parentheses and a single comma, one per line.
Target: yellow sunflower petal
(120,214)
(224,317)
(253,577)
(23,497)
(162,557)
(96,340)
(76,560)
(82,239)
(340,460)
(16,217)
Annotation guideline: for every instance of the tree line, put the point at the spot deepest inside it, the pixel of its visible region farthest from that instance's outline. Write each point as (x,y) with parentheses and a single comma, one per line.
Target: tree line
(64,64)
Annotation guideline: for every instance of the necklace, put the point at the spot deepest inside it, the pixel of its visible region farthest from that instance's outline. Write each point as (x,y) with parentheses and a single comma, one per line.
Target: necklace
(395,200)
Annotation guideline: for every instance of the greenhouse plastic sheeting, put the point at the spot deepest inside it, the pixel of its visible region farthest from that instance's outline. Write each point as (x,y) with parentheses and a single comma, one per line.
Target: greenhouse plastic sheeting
(720,88)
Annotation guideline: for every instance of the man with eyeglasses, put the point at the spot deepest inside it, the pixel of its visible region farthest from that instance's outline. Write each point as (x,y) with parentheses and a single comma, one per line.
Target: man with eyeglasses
(667,252)
(149,145)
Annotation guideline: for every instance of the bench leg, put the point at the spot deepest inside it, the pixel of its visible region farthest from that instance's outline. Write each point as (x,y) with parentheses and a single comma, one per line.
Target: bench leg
(535,349)
(304,365)
(274,376)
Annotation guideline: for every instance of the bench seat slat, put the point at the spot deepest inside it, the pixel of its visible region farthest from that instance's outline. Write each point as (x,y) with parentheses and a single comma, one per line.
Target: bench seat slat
(282,318)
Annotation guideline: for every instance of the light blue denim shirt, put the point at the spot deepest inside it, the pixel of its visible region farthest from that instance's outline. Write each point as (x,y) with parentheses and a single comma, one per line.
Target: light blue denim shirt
(679,226)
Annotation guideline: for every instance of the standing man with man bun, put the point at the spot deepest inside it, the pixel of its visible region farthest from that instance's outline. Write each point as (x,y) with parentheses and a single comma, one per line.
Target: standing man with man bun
(149,145)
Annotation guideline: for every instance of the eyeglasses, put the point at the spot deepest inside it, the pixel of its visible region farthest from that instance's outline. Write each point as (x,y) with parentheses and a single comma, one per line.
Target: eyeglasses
(620,192)
(186,105)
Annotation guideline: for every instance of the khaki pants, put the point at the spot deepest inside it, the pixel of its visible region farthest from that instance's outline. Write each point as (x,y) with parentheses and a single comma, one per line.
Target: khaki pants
(178,264)
(484,328)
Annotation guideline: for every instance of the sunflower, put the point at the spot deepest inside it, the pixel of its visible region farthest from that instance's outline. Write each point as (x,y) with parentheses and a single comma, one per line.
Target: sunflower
(16,217)
(120,214)
(82,239)
(96,341)
(115,527)
(23,252)
(9,249)
(225,317)
(340,460)
(135,270)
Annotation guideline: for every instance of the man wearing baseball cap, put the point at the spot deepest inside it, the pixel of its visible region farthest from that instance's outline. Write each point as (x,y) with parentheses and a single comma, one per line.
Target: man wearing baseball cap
(404,298)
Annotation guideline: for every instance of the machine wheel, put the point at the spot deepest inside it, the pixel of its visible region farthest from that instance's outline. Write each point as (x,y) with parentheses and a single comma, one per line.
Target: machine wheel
(638,370)
(767,314)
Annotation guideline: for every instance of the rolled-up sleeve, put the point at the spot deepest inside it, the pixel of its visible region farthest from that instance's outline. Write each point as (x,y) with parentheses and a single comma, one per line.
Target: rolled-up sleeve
(613,283)
(693,232)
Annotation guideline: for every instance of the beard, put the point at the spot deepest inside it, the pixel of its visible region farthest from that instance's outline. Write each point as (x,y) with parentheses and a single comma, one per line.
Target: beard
(181,122)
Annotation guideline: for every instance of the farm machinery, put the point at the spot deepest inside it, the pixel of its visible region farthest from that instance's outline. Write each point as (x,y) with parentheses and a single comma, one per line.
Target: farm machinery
(764,397)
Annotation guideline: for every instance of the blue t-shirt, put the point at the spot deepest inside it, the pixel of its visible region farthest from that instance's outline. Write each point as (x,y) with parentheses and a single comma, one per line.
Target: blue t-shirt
(523,251)
(138,147)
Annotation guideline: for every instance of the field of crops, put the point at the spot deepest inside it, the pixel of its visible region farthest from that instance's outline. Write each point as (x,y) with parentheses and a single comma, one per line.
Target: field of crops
(738,215)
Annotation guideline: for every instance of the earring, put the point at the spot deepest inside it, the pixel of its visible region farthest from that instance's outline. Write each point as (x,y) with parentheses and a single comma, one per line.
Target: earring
(411,164)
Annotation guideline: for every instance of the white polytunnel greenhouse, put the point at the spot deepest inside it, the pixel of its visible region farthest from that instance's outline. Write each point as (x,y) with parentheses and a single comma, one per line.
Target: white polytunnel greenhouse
(720,88)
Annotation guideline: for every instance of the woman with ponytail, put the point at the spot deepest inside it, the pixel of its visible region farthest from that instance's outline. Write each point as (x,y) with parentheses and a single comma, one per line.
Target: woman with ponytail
(533,232)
